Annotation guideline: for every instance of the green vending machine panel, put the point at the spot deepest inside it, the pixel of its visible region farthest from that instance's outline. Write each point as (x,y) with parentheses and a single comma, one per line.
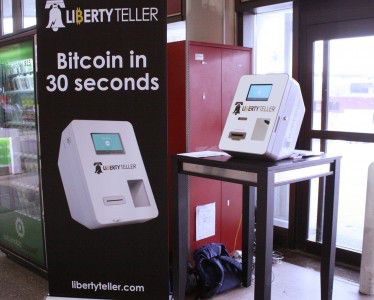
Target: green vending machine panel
(5,155)
(21,224)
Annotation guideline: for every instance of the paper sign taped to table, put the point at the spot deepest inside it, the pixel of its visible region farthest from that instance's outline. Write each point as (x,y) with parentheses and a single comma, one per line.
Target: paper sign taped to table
(205,221)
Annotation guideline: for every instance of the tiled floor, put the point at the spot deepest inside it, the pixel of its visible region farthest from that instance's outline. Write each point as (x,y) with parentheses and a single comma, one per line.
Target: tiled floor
(19,283)
(290,281)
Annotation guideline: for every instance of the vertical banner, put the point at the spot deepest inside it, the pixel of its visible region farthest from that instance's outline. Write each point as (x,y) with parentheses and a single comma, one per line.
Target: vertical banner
(102,119)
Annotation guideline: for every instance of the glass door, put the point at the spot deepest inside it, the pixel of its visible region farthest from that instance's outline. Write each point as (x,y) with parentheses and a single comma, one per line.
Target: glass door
(21,230)
(341,102)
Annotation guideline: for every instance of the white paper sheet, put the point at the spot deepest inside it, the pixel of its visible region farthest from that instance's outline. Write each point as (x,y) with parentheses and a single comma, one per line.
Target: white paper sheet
(204,154)
(205,221)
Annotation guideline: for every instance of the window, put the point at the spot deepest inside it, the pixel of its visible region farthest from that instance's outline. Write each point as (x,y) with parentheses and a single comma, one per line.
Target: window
(7,16)
(273,41)
(269,32)
(17,17)
(29,13)
(176,31)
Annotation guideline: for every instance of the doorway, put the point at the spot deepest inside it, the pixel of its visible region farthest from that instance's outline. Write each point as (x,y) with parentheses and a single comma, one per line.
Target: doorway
(339,96)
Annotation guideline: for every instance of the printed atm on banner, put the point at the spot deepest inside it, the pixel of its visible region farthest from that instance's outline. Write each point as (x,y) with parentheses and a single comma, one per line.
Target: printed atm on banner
(10,151)
(265,117)
(103,174)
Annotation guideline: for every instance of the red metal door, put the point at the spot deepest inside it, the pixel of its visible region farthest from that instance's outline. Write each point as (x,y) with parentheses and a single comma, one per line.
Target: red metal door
(231,232)
(204,130)
(204,98)
(235,64)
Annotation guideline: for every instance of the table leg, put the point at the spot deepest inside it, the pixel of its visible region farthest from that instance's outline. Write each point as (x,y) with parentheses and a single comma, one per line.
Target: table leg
(264,236)
(329,232)
(248,233)
(320,208)
(180,233)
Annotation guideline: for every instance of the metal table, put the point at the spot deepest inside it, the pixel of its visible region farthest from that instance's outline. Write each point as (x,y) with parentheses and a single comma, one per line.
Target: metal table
(265,176)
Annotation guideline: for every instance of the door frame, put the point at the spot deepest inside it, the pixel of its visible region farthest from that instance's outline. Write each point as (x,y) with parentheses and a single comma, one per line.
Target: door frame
(315,32)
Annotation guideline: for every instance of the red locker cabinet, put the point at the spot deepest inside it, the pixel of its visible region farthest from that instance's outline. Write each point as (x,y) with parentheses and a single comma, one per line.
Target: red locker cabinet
(202,79)
(235,64)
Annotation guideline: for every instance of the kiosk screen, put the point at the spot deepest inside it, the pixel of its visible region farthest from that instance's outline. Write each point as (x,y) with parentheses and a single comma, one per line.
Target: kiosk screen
(259,92)
(107,143)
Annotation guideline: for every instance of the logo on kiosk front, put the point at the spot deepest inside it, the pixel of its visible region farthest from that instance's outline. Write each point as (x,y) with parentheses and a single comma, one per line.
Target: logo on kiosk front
(55,16)
(238,105)
(98,167)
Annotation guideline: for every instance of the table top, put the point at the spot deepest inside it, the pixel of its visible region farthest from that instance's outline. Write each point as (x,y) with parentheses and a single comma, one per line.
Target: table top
(257,164)
(247,170)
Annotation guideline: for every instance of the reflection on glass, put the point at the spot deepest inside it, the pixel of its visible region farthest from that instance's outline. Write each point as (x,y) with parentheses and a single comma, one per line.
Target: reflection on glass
(351,85)
(352,194)
(317,84)
(29,13)
(281,205)
(20,201)
(7,16)
(313,199)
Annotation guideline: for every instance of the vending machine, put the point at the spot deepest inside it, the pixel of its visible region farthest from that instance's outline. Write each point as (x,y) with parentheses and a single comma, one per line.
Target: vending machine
(21,227)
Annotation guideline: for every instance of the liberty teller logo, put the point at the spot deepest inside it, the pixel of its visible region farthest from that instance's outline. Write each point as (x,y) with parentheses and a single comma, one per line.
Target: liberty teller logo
(100,168)
(84,16)
(238,105)
(55,15)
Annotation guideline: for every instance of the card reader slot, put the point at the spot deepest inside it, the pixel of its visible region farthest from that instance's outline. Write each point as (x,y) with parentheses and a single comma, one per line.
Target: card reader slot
(260,130)
(113,200)
(138,193)
(237,135)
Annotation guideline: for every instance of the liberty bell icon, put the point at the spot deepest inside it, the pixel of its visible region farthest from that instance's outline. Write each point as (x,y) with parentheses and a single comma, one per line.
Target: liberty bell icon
(55,16)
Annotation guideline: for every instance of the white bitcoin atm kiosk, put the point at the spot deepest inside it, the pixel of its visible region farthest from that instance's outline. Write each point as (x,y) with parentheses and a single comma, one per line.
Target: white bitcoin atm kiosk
(103,174)
(265,117)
